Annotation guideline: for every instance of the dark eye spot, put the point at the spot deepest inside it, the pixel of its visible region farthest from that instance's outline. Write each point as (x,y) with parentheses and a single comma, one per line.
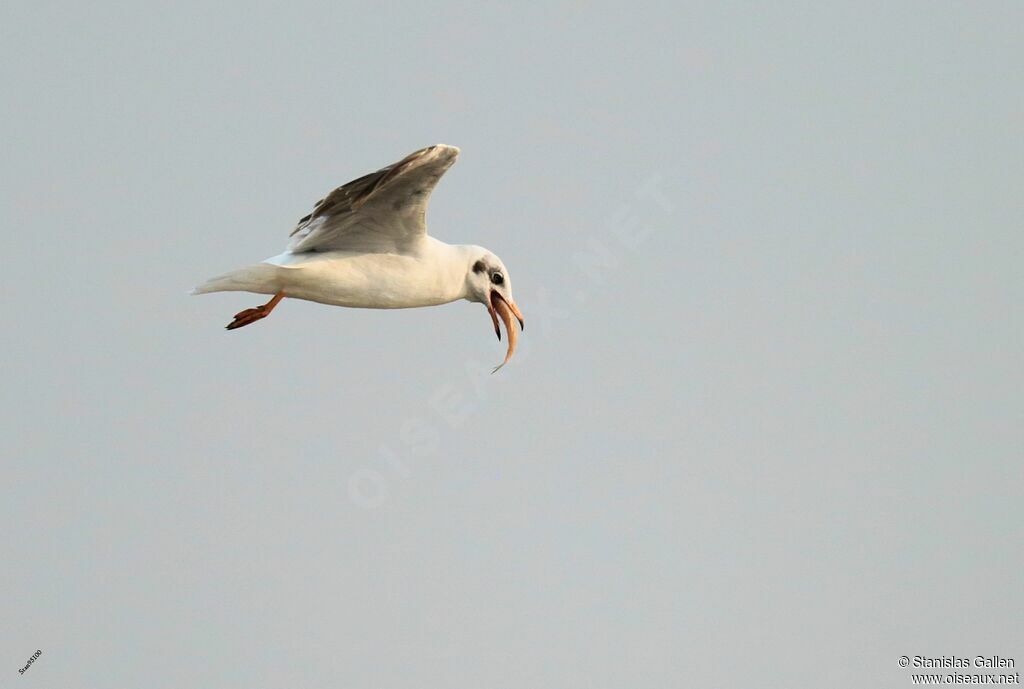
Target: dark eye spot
(497,278)
(478,267)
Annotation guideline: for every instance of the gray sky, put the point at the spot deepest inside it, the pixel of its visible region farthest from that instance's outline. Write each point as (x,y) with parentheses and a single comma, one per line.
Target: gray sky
(765,428)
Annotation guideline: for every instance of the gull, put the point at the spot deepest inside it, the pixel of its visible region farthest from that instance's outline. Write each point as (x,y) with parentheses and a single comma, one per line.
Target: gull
(365,245)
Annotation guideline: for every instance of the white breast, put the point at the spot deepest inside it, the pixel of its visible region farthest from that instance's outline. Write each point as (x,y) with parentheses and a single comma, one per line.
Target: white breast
(372,280)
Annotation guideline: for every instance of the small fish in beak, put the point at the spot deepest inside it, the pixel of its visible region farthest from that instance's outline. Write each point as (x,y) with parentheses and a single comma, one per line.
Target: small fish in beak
(500,307)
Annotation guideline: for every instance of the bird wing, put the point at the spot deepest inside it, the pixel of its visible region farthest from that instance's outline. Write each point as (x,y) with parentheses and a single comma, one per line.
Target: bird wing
(382,211)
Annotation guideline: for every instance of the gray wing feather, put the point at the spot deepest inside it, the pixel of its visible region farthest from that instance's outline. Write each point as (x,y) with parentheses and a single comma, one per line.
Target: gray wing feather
(382,211)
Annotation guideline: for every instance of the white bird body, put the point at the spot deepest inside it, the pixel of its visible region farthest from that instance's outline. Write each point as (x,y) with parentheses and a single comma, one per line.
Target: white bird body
(365,245)
(432,273)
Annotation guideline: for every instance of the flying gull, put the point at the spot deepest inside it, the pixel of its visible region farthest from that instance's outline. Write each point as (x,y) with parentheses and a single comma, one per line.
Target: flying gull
(365,245)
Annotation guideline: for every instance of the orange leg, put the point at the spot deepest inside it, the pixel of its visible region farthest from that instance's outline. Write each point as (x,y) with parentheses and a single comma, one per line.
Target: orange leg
(254,314)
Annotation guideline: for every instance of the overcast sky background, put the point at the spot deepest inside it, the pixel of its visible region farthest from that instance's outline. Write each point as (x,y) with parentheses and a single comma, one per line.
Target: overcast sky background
(765,428)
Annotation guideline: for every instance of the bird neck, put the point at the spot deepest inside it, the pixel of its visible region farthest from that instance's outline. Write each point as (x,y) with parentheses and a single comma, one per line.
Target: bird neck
(452,263)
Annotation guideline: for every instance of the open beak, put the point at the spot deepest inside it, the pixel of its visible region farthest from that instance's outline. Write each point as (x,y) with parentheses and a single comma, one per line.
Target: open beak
(505,309)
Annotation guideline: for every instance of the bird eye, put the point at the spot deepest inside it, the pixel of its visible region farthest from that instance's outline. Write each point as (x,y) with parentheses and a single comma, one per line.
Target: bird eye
(497,278)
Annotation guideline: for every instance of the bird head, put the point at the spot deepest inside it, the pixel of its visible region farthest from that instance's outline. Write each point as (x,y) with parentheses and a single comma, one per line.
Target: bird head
(488,282)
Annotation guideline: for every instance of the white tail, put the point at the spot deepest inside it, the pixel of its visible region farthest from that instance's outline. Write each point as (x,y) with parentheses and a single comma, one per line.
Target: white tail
(260,278)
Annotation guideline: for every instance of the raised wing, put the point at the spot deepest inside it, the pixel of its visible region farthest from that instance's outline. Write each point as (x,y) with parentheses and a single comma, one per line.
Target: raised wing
(382,211)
